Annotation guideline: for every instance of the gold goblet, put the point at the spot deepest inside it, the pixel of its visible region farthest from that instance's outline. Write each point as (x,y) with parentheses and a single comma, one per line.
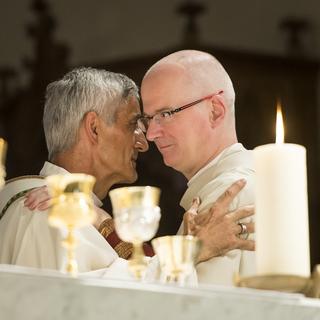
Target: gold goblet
(3,152)
(177,256)
(72,207)
(136,217)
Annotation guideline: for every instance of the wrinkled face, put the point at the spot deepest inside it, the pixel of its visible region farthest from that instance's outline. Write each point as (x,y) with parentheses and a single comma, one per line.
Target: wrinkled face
(179,140)
(122,142)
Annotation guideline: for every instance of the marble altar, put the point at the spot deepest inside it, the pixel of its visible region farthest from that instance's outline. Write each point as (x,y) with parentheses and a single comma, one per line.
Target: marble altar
(31,294)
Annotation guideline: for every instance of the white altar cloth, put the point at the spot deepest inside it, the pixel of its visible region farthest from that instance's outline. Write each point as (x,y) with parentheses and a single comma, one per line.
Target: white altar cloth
(31,294)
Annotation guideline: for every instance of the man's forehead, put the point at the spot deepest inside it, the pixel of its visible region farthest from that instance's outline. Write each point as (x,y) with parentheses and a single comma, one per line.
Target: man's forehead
(165,89)
(131,108)
(164,85)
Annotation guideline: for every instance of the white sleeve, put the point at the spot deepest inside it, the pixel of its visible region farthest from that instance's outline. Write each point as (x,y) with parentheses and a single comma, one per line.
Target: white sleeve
(27,239)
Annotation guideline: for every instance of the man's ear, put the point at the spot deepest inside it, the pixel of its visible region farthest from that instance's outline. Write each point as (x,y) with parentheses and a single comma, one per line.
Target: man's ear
(91,126)
(217,111)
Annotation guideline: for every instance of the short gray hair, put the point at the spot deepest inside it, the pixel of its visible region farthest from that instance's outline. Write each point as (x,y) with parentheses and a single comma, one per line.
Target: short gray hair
(80,91)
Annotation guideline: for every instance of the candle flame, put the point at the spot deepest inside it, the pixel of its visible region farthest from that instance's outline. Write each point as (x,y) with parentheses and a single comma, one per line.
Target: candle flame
(279,126)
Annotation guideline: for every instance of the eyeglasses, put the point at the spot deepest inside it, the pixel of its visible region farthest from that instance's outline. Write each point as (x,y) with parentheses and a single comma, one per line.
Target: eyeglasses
(166,116)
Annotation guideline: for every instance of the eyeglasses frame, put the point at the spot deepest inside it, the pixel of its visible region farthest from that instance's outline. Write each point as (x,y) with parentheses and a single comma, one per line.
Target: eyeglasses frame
(172,112)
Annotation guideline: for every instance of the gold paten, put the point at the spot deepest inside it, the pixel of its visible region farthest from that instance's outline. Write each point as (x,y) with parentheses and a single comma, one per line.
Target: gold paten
(286,283)
(136,216)
(71,208)
(177,256)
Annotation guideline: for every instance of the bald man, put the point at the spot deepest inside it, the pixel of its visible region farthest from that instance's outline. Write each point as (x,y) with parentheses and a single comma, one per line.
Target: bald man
(188,100)
(99,111)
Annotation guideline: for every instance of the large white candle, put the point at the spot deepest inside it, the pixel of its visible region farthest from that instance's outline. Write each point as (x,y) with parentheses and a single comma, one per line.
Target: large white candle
(282,233)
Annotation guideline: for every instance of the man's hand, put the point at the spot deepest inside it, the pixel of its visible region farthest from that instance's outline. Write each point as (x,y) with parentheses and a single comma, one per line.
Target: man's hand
(39,199)
(188,217)
(218,229)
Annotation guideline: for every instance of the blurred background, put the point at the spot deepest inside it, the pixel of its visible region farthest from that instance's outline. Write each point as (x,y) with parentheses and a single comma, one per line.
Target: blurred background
(271,50)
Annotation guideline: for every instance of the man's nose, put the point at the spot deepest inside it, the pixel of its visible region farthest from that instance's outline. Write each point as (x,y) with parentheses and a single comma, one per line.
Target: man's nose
(141,142)
(153,131)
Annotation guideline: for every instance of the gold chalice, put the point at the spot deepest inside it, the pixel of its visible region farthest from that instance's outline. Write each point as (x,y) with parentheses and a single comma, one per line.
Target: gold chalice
(177,256)
(3,152)
(72,207)
(136,216)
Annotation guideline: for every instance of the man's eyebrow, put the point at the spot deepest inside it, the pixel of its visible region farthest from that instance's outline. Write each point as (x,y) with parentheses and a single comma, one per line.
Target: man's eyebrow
(160,110)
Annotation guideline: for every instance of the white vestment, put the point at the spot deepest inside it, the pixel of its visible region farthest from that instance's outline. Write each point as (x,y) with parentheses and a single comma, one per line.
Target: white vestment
(209,183)
(26,238)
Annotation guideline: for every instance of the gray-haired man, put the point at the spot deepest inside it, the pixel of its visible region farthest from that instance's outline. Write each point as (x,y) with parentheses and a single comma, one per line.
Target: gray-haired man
(90,123)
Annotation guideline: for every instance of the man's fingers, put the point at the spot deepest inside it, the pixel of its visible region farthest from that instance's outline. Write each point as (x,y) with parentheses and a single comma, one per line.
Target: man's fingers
(249,227)
(242,213)
(246,245)
(44,205)
(36,194)
(195,206)
(226,198)
(191,230)
(194,229)
(188,221)
(188,217)
(37,197)
(36,200)
(203,217)
(190,214)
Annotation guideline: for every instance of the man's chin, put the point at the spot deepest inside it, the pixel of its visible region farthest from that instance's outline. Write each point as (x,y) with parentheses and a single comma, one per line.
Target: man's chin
(130,178)
(176,165)
(169,162)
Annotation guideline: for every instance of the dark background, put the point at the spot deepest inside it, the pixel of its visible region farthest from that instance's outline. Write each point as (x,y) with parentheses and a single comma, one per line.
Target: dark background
(261,74)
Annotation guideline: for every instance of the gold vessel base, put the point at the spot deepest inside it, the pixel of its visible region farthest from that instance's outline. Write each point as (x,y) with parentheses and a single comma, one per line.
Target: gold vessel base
(138,262)
(285,283)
